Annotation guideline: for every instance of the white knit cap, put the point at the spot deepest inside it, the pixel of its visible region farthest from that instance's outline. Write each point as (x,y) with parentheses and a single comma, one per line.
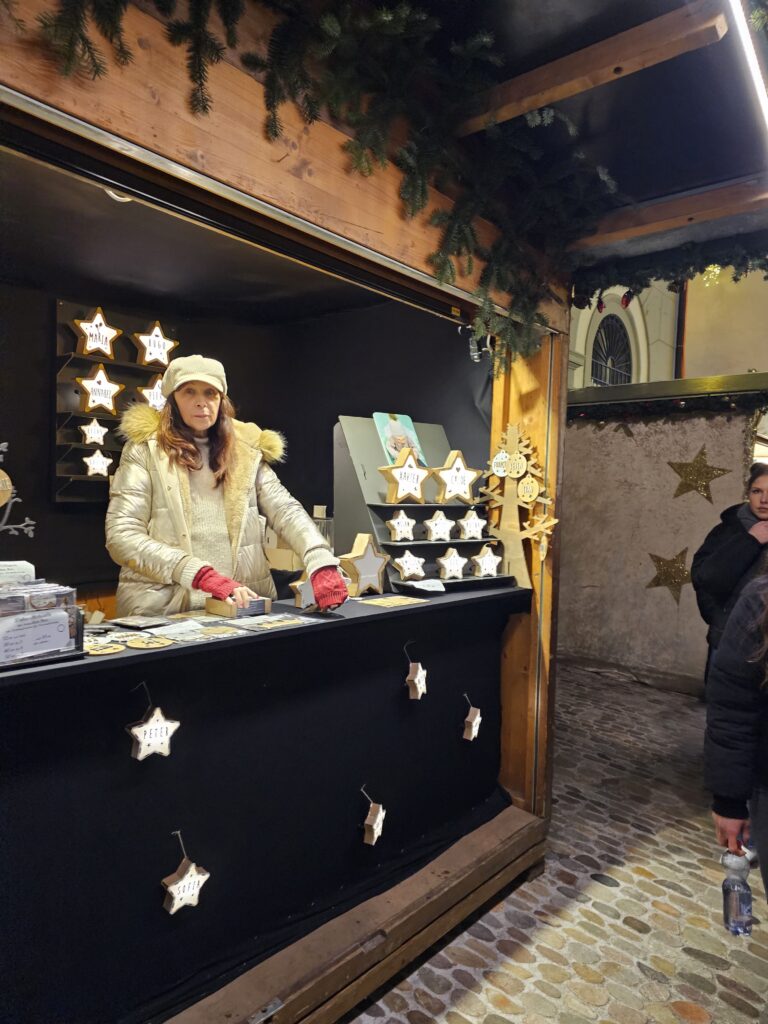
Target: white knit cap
(186,368)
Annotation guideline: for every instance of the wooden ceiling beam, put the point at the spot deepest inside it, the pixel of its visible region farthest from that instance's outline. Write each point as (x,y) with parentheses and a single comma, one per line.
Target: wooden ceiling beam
(689,28)
(750,196)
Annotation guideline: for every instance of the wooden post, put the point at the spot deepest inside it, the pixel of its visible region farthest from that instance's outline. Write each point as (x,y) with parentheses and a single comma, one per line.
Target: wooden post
(533,394)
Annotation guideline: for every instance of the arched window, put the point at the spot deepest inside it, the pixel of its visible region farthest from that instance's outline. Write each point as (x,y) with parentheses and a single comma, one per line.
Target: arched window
(611,353)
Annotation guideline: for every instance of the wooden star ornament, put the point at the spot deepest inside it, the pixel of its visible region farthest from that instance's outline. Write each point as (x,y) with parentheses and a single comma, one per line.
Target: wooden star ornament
(439,526)
(485,562)
(471,526)
(153,395)
(96,335)
(400,526)
(670,573)
(365,566)
(183,886)
(472,724)
(98,391)
(405,478)
(303,594)
(696,475)
(98,464)
(451,565)
(93,432)
(410,566)
(153,346)
(374,823)
(416,680)
(455,480)
(152,735)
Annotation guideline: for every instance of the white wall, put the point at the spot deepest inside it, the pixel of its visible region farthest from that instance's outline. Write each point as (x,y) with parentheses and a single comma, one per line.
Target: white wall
(726,326)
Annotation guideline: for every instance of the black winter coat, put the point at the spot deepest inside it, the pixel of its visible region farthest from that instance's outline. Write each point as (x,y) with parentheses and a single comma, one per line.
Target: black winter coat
(721,568)
(736,742)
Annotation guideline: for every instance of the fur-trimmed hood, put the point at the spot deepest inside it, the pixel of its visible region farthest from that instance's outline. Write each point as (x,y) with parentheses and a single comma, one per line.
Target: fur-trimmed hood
(139,423)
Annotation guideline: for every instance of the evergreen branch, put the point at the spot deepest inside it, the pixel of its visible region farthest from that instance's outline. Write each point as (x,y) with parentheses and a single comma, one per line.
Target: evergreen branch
(9,6)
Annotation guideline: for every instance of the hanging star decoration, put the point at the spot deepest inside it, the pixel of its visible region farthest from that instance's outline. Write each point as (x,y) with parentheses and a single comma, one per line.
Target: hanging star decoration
(153,394)
(93,432)
(670,573)
(455,480)
(696,475)
(374,823)
(152,735)
(183,886)
(410,566)
(303,594)
(472,722)
(471,526)
(405,478)
(365,567)
(153,346)
(98,464)
(451,565)
(416,680)
(439,526)
(485,563)
(98,391)
(400,526)
(96,335)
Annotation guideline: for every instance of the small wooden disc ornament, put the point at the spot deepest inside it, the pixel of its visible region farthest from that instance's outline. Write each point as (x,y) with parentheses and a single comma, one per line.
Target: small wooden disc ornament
(98,391)
(183,886)
(149,643)
(6,488)
(99,650)
(405,478)
(365,566)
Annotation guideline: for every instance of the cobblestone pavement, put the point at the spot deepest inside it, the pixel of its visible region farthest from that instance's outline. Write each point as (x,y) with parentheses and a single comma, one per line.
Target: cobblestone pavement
(625,924)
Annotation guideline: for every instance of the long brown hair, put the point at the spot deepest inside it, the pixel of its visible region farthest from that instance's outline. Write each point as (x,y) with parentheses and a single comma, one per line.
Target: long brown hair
(178,440)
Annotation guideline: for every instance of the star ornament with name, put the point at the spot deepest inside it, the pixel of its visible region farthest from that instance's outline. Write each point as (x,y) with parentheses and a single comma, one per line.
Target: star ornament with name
(471,526)
(455,480)
(365,566)
(98,464)
(400,526)
(152,735)
(485,563)
(410,566)
(670,573)
(153,346)
(405,478)
(439,527)
(153,395)
(696,475)
(374,824)
(98,391)
(93,432)
(96,335)
(451,565)
(183,886)
(416,680)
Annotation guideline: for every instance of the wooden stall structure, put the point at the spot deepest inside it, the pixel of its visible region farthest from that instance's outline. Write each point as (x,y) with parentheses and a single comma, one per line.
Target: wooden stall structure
(299,190)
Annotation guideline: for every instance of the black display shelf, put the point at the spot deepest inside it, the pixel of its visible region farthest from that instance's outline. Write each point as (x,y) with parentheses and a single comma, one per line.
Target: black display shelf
(438,543)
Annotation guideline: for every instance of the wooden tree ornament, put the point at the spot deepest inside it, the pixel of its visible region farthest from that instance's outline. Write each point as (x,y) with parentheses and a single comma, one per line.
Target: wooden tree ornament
(98,392)
(153,346)
(96,335)
(365,566)
(455,480)
(405,478)
(400,526)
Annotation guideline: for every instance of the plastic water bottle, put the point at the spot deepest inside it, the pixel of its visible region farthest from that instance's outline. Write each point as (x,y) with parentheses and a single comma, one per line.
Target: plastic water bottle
(737,896)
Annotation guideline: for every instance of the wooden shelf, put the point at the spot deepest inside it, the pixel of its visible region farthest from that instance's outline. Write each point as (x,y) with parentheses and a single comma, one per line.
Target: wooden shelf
(439,543)
(65,358)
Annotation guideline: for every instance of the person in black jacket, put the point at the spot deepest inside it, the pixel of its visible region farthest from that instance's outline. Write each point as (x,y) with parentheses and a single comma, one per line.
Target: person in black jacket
(731,555)
(736,741)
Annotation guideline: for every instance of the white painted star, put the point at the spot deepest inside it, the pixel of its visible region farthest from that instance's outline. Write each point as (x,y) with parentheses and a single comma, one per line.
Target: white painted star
(153,394)
(400,526)
(97,335)
(374,823)
(183,886)
(439,527)
(100,391)
(471,526)
(98,464)
(410,566)
(155,344)
(303,593)
(152,735)
(485,562)
(472,724)
(406,478)
(365,569)
(456,479)
(451,565)
(93,432)
(416,680)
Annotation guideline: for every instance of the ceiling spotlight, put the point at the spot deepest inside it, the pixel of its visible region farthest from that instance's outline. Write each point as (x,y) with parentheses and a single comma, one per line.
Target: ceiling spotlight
(119,197)
(750,54)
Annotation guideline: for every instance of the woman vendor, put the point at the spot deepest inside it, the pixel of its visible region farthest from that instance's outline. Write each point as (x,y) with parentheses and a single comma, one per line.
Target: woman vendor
(190,498)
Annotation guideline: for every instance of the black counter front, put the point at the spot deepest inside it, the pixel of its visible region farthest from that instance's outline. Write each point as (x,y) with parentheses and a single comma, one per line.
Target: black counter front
(278,734)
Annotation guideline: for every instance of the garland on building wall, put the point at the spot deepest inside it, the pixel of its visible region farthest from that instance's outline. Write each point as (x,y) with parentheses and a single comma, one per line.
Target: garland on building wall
(641,411)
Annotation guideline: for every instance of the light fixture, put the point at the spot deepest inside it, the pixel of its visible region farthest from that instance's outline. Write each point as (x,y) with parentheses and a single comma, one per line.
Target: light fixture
(119,197)
(748,46)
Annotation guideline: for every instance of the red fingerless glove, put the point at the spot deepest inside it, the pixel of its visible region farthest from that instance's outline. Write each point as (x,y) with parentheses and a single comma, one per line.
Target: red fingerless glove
(328,587)
(214,583)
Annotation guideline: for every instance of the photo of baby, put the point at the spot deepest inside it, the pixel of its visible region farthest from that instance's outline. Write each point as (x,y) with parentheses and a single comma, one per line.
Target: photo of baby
(397,431)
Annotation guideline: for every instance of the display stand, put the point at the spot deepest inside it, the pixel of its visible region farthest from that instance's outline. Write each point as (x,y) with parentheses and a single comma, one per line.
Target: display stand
(360,505)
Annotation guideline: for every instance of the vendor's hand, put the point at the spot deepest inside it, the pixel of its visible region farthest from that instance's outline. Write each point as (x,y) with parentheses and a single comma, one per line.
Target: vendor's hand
(731,832)
(329,588)
(760,531)
(213,583)
(242,596)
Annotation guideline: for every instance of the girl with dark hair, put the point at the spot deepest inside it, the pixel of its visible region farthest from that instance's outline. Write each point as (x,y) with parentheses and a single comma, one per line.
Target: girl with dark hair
(736,743)
(190,498)
(733,553)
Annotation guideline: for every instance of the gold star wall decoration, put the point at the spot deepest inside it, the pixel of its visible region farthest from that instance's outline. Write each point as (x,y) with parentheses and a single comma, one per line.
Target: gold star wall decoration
(405,478)
(670,573)
(696,475)
(96,335)
(153,346)
(98,391)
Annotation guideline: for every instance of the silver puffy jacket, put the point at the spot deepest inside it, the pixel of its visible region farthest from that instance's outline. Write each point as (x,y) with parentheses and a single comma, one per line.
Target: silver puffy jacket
(147,522)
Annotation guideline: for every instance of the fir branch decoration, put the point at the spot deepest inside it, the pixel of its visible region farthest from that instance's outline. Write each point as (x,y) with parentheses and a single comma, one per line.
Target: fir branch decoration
(66,33)
(9,6)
